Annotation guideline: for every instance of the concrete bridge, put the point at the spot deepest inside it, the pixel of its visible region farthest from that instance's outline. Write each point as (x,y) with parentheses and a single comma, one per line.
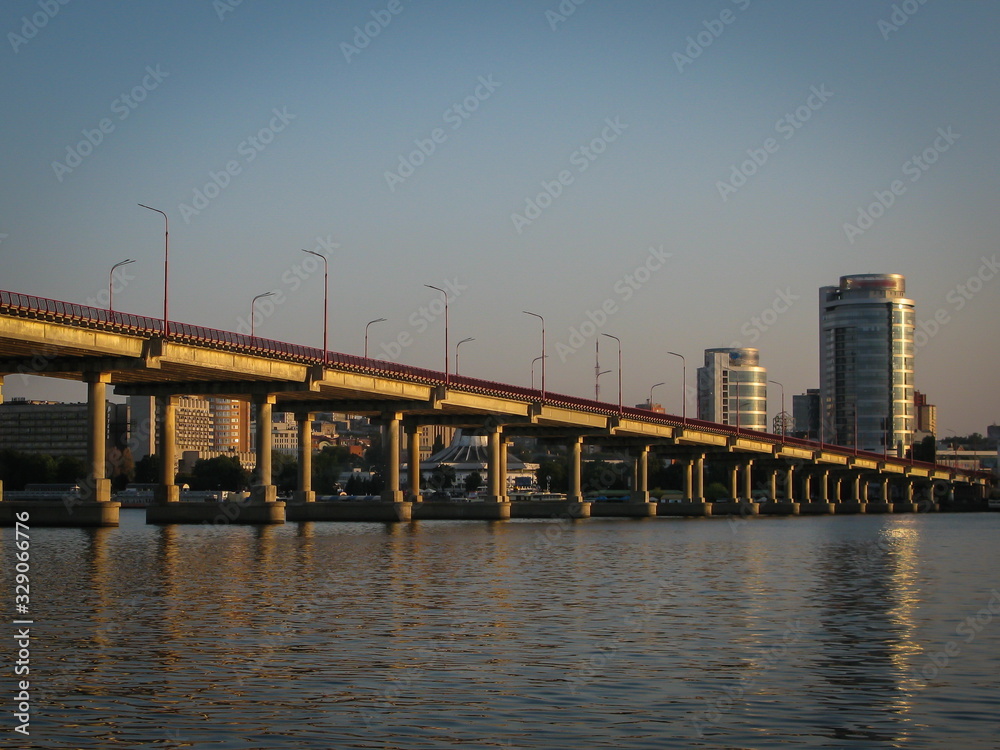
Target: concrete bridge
(150,357)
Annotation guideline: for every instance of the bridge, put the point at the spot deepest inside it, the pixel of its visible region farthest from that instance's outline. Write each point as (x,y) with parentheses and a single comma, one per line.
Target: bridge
(143,356)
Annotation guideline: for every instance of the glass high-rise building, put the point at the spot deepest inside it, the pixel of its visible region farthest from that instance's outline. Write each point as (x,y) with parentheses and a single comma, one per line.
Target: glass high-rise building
(732,387)
(866,362)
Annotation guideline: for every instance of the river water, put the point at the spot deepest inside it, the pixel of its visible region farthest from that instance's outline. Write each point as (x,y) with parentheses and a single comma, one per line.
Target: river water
(824,632)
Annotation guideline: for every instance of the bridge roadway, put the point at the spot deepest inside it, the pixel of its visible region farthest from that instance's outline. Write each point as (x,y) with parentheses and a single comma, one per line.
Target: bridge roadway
(141,356)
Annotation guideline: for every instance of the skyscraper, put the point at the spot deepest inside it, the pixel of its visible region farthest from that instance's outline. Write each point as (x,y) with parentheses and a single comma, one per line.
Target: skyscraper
(732,384)
(866,362)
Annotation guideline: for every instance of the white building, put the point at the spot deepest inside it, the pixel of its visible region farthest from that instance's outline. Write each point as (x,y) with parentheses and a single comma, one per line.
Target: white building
(732,388)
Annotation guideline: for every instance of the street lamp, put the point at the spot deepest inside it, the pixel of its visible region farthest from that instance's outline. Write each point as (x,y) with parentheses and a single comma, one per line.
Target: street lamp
(684,377)
(111,281)
(456,352)
(597,384)
(377,320)
(651,394)
(533,369)
(254,302)
(619,369)
(447,378)
(782,407)
(166,261)
(543,357)
(326,297)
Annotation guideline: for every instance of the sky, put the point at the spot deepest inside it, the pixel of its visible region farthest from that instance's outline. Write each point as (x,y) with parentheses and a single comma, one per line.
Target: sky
(679,175)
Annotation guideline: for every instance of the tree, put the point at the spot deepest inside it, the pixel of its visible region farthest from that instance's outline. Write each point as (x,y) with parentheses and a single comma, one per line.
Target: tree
(69,470)
(717,491)
(219,473)
(147,470)
(285,472)
(925,450)
(601,475)
(328,465)
(557,471)
(438,445)
(473,481)
(442,477)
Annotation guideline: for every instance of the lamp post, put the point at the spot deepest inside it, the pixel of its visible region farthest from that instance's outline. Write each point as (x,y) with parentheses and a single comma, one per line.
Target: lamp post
(456,352)
(111,281)
(543,357)
(166,261)
(447,377)
(533,369)
(684,377)
(782,387)
(651,394)
(254,302)
(597,387)
(377,320)
(620,411)
(326,298)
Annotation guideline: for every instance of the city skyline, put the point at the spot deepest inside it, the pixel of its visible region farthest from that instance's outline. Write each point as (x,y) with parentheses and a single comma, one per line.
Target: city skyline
(609,171)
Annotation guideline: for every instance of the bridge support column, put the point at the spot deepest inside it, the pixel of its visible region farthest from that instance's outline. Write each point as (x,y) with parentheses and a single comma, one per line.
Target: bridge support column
(790,484)
(413,462)
(494,470)
(836,489)
(734,475)
(640,490)
(574,495)
(885,489)
(391,451)
(806,489)
(748,481)
(305,494)
(265,491)
(504,445)
(166,438)
(97,487)
(772,489)
(824,486)
(688,470)
(699,479)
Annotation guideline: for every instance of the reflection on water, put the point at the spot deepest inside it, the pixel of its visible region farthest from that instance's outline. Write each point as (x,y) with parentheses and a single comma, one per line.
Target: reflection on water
(657,633)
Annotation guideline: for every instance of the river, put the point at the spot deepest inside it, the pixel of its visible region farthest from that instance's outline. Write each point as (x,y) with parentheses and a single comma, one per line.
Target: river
(817,632)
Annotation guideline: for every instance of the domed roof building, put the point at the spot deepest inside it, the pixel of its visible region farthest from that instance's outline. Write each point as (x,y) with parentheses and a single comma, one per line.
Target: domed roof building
(469,453)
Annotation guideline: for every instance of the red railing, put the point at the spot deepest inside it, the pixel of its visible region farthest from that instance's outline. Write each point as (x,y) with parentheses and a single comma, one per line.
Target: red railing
(74,314)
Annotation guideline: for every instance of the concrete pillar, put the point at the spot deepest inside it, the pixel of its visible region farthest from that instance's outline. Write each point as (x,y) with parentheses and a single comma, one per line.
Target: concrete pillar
(885,489)
(856,489)
(734,491)
(909,490)
(824,481)
(97,487)
(390,454)
(772,490)
(699,478)
(413,462)
(168,491)
(748,481)
(264,491)
(504,445)
(493,469)
(688,469)
(790,484)
(305,494)
(640,490)
(806,490)
(864,490)
(575,495)
(837,487)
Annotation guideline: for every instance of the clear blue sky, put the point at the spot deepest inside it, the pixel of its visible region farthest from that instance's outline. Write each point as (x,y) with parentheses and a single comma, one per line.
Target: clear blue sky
(532,86)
